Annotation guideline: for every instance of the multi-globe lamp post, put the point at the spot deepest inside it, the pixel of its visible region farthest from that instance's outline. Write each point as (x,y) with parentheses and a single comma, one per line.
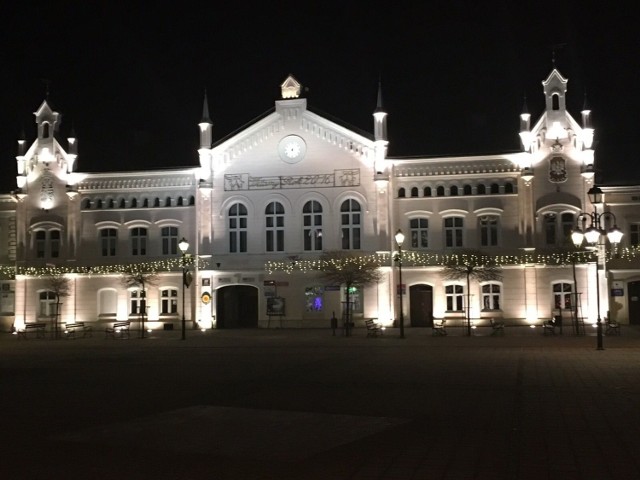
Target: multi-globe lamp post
(183,246)
(593,233)
(399,241)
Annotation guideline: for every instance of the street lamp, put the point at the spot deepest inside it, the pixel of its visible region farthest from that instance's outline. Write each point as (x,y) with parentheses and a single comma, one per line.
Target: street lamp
(183,246)
(593,235)
(399,241)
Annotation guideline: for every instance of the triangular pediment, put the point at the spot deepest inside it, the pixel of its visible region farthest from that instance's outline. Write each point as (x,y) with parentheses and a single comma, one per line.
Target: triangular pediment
(44,112)
(290,88)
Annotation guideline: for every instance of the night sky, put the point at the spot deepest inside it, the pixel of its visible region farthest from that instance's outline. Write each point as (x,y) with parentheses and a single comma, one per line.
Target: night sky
(131,80)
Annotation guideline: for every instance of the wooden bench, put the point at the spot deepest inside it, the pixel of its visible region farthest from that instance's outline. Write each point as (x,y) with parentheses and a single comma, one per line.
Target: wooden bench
(612,327)
(71,329)
(438,328)
(39,328)
(497,327)
(373,329)
(118,329)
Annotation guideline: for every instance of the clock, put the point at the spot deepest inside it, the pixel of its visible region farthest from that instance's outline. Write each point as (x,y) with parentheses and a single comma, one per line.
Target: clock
(292,149)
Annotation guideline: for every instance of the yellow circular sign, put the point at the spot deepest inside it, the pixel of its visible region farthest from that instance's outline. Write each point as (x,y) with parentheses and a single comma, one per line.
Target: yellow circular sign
(206,297)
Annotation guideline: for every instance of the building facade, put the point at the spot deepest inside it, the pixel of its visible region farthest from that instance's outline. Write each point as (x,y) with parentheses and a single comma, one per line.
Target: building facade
(266,202)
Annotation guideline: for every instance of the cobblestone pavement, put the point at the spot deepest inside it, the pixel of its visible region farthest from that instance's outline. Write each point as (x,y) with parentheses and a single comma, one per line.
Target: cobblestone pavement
(303,404)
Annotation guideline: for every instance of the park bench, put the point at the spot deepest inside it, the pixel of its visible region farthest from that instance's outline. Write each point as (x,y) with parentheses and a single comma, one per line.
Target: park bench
(72,329)
(612,327)
(39,329)
(373,329)
(497,327)
(118,329)
(438,327)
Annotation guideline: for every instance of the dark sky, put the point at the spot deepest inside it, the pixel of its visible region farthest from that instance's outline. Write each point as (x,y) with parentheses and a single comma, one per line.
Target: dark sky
(131,80)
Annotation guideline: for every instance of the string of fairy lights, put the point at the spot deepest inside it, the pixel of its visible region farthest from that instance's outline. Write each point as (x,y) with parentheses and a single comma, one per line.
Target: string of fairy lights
(168,265)
(423,259)
(381,259)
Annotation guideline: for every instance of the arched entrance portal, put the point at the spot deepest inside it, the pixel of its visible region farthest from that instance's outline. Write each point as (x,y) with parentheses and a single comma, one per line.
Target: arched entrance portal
(237,307)
(421,305)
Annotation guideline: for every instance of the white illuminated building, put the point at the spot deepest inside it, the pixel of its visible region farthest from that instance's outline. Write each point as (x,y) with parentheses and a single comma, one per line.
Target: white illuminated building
(292,185)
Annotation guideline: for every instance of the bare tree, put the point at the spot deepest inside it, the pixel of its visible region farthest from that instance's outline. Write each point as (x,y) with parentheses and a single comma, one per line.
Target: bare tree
(61,287)
(349,269)
(139,279)
(469,265)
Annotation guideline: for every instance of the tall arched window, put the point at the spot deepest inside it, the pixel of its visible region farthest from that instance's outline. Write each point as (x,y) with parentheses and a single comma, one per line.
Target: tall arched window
(274,221)
(453,191)
(414,192)
(401,193)
(466,190)
(482,189)
(427,191)
(237,228)
(350,219)
(495,188)
(440,191)
(312,232)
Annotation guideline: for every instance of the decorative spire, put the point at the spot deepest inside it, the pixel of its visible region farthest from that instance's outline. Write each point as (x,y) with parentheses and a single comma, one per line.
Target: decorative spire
(205,109)
(379,102)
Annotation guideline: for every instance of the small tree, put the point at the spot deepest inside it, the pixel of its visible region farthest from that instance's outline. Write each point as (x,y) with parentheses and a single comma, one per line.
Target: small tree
(349,269)
(471,265)
(135,278)
(61,287)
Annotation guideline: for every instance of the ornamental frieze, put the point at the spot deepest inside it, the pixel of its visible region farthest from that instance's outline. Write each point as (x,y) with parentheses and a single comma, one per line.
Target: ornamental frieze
(339,178)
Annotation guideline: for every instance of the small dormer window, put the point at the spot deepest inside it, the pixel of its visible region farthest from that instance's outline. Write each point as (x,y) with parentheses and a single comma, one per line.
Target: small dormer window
(45,130)
(555,101)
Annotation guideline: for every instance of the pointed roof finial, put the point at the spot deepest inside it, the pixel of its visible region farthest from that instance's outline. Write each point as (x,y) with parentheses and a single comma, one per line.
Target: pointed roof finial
(205,109)
(379,107)
(47,84)
(585,104)
(525,108)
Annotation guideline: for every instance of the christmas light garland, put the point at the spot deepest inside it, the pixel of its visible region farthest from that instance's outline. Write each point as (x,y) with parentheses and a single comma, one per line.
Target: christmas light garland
(423,259)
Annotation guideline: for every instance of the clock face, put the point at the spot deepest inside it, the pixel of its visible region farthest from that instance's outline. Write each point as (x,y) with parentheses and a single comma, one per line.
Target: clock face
(292,149)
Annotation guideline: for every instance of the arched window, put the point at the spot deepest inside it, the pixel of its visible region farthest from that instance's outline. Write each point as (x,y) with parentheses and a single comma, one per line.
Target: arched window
(45,130)
(495,188)
(134,202)
(350,219)
(508,187)
(192,200)
(555,102)
(401,193)
(482,189)
(427,191)
(440,191)
(414,192)
(312,232)
(145,203)
(112,204)
(86,204)
(167,202)
(156,202)
(453,191)
(274,222)
(99,203)
(180,204)
(123,203)
(467,190)
(238,228)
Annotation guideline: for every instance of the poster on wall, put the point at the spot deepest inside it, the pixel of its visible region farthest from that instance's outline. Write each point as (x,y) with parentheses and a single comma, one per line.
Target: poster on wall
(275,306)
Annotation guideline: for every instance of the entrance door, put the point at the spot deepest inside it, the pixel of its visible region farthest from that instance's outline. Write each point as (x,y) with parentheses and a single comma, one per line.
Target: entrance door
(634,302)
(421,305)
(237,307)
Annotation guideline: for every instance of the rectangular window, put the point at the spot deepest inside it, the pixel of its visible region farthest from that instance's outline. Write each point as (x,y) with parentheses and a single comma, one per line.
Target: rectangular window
(455,298)
(453,229)
(108,240)
(489,231)
(137,302)
(634,234)
(550,229)
(41,242)
(491,296)
(54,243)
(562,296)
(314,298)
(419,232)
(169,301)
(169,240)
(138,241)
(47,303)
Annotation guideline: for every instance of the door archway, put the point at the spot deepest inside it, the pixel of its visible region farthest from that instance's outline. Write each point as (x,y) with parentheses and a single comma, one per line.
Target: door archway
(237,307)
(633,289)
